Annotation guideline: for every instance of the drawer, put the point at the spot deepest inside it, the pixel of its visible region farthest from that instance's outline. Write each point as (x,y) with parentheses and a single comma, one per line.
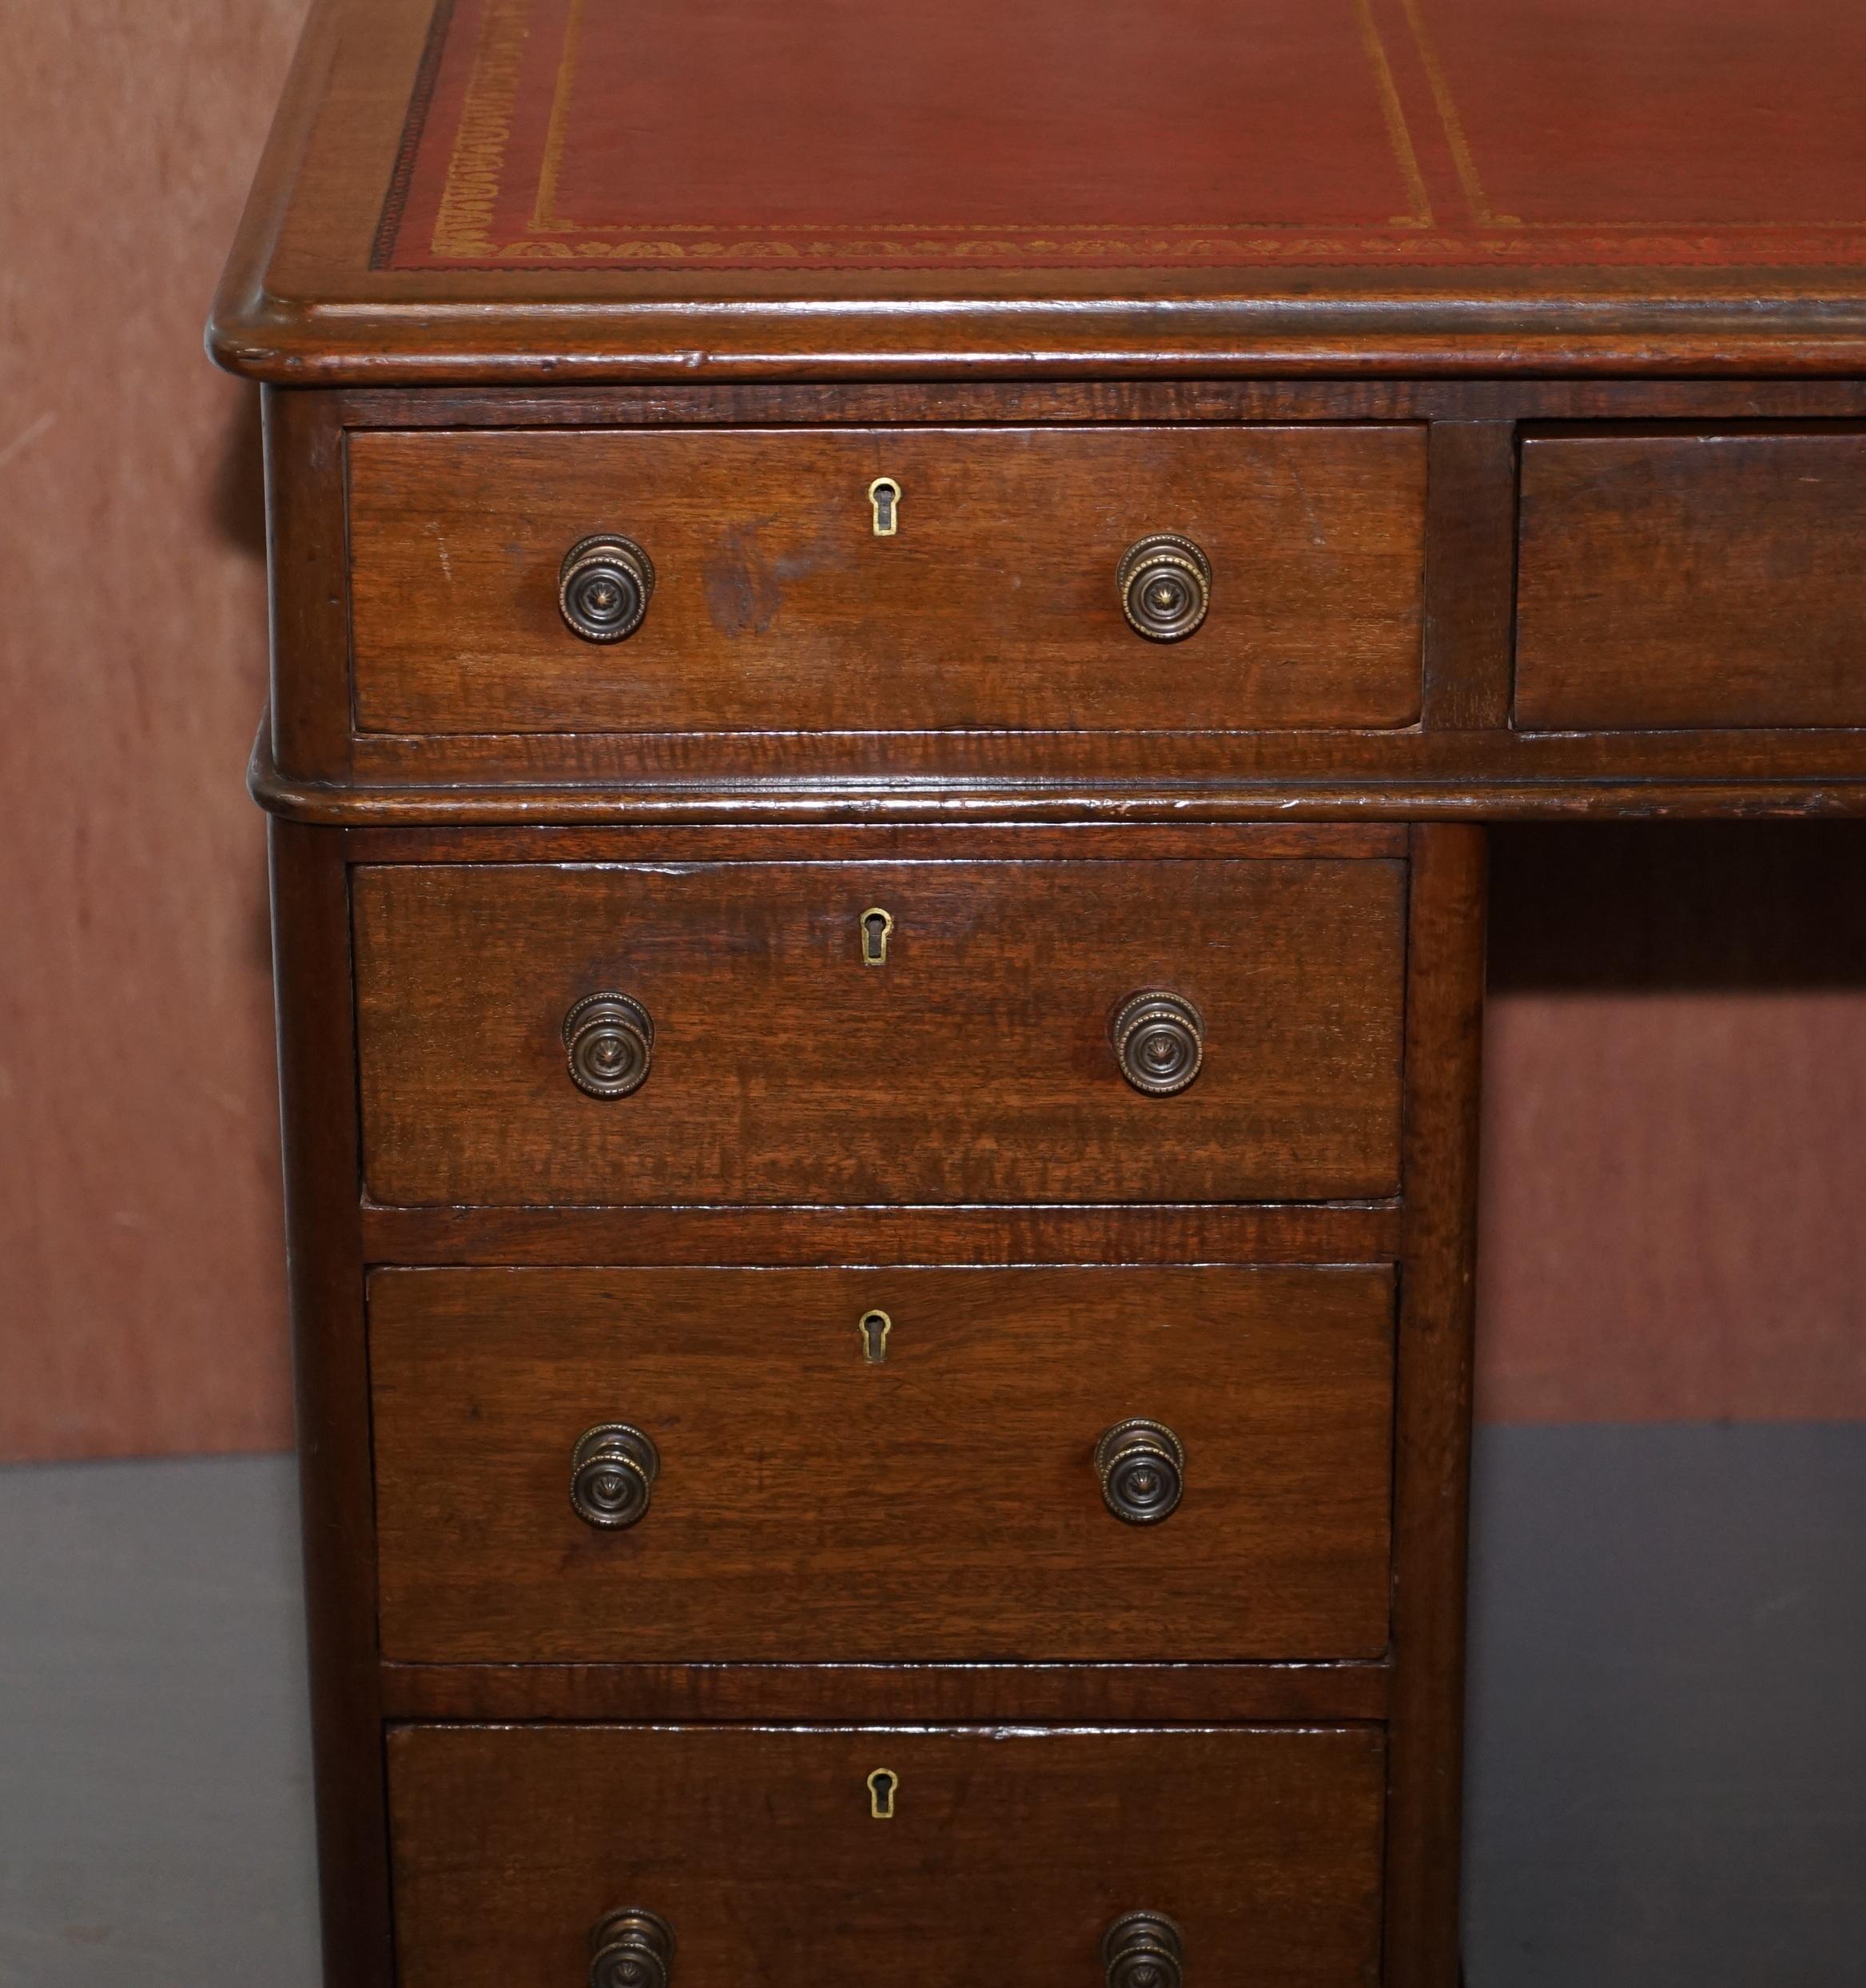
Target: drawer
(881,1464)
(776,607)
(1684,581)
(976,1062)
(1001,1855)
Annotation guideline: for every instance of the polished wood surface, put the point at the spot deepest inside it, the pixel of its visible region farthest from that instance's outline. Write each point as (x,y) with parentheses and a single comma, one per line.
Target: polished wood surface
(726,840)
(1098,1234)
(924,1490)
(1009,1848)
(1471,571)
(989,778)
(885,917)
(1044,1693)
(974,1066)
(310,894)
(309,719)
(1444,1027)
(1462,756)
(1374,185)
(993,604)
(1678,581)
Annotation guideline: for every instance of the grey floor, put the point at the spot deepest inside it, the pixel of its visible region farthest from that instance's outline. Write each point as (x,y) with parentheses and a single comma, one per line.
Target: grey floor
(1669,1771)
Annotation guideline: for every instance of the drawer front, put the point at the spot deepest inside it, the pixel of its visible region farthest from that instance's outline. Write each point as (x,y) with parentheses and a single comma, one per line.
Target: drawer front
(1006,1856)
(975,1063)
(777,607)
(874,1465)
(1681,581)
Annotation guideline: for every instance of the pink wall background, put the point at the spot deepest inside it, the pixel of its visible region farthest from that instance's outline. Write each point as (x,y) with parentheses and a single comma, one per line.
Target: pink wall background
(1674,1181)
(140,1307)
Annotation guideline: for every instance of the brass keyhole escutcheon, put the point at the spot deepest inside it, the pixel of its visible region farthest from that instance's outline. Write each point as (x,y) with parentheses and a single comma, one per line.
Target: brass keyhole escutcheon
(874,1327)
(876,925)
(881,1785)
(884,497)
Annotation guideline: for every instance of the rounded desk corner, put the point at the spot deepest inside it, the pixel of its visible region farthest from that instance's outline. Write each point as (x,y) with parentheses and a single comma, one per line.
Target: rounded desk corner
(279,794)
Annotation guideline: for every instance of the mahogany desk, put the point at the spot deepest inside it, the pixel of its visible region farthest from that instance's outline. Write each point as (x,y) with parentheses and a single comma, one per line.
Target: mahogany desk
(894,629)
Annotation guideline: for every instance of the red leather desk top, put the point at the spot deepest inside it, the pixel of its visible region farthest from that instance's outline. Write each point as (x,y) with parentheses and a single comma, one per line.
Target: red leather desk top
(1029,134)
(482,189)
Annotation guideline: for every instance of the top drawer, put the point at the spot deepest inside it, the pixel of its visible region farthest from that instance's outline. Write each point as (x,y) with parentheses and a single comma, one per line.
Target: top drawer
(1679,581)
(776,604)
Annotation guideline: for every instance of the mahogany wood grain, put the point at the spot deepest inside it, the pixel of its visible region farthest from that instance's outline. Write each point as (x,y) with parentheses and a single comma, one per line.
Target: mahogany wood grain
(1358,330)
(1488,771)
(868,841)
(1302,1233)
(1478,231)
(1691,581)
(1444,1020)
(316,1039)
(776,608)
(974,1066)
(981,399)
(1699,909)
(1063,1693)
(999,778)
(1470,575)
(814,1504)
(1010,1851)
(308,538)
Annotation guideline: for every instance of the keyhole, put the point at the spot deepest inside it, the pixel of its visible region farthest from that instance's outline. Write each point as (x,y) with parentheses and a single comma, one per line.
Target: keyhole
(884,497)
(874,1327)
(881,1785)
(876,925)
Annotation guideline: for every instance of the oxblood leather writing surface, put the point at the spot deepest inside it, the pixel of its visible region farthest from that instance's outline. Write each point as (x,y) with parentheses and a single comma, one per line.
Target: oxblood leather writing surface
(839,134)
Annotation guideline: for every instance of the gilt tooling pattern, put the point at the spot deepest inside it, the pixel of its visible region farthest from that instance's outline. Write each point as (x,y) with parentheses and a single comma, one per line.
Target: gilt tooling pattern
(833,134)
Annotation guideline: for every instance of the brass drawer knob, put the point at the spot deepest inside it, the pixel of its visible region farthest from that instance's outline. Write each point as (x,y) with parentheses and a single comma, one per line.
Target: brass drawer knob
(632,1948)
(612,1473)
(1165,583)
(1158,1041)
(1143,1950)
(1142,1466)
(604,586)
(610,1040)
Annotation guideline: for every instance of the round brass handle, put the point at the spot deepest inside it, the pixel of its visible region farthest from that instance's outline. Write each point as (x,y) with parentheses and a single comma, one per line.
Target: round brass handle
(612,1473)
(604,586)
(1142,1465)
(1159,1041)
(1143,1950)
(610,1041)
(1165,583)
(631,1948)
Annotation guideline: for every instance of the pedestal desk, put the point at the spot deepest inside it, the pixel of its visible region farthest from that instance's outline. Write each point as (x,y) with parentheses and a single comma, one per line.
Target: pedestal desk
(893,632)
